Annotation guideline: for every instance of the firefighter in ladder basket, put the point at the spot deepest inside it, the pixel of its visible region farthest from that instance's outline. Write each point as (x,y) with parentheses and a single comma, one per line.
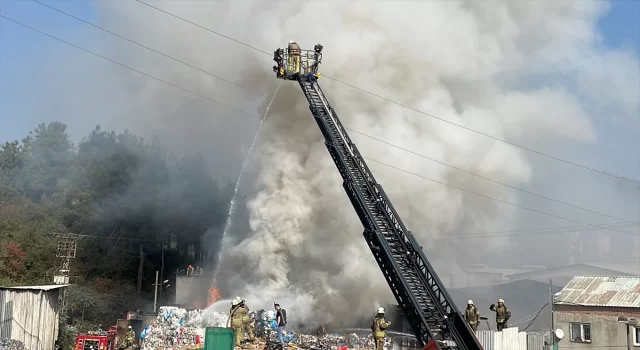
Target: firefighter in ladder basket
(293,63)
(294,59)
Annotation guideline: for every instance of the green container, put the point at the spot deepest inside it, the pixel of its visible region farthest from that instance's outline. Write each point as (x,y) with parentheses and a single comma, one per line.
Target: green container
(216,338)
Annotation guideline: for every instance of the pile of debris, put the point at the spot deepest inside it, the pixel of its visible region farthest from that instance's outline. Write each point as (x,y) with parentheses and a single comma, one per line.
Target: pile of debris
(335,341)
(177,328)
(11,344)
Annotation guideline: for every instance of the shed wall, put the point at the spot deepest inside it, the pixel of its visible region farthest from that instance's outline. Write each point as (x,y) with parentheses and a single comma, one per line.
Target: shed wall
(30,316)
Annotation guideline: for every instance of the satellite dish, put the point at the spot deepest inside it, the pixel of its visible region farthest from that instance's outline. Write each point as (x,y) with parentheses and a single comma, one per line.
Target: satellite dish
(559,333)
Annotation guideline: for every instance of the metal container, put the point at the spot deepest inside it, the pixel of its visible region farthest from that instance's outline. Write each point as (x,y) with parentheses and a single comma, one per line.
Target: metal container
(216,338)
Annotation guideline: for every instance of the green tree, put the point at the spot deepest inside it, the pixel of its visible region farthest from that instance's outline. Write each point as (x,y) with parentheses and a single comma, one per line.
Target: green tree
(48,156)
(124,194)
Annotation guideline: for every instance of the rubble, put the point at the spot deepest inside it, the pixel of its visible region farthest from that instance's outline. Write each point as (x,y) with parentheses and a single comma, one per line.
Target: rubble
(176,328)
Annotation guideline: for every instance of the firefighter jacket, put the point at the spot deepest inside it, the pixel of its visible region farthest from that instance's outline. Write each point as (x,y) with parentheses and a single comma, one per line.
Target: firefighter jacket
(472,315)
(502,313)
(131,336)
(239,315)
(379,327)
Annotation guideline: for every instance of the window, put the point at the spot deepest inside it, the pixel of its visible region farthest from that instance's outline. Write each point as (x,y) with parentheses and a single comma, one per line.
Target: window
(580,332)
(636,336)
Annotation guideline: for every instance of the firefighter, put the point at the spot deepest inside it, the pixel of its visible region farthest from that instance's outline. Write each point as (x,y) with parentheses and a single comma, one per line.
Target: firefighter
(246,321)
(189,270)
(379,328)
(472,315)
(502,314)
(294,60)
(240,321)
(131,338)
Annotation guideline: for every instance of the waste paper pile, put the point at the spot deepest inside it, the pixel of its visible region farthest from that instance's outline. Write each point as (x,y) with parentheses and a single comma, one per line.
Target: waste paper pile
(11,344)
(177,328)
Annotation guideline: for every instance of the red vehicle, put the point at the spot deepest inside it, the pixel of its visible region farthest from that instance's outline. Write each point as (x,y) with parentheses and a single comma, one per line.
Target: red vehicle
(97,340)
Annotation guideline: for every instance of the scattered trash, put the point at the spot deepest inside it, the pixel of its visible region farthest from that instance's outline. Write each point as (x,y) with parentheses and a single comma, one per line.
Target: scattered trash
(177,328)
(11,344)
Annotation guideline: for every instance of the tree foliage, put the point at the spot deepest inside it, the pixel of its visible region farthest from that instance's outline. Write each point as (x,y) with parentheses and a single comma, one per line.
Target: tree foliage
(119,191)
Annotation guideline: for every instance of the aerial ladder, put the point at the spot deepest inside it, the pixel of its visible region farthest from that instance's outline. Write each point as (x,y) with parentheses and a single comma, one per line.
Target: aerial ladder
(430,310)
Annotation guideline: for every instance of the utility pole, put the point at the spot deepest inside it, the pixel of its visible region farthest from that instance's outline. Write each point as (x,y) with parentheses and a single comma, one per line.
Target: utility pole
(155,295)
(65,251)
(636,250)
(162,269)
(552,334)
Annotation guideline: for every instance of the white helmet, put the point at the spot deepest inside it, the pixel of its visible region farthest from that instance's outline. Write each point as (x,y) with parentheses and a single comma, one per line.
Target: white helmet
(380,310)
(236,301)
(501,301)
(129,327)
(470,302)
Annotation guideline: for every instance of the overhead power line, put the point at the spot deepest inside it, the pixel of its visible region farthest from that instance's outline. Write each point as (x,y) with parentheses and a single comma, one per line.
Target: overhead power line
(498,200)
(214,101)
(573,228)
(404,105)
(489,179)
(205,28)
(129,67)
(533,320)
(536,232)
(149,48)
(351,129)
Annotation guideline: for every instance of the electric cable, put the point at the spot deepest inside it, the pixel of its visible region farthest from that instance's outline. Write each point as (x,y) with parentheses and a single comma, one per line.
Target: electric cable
(498,200)
(534,319)
(565,228)
(528,317)
(149,48)
(258,118)
(131,68)
(120,238)
(403,105)
(534,232)
(205,28)
(492,180)
(350,129)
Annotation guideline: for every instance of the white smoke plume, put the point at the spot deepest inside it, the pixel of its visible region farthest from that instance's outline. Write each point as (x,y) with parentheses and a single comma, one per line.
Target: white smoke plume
(459,60)
(534,72)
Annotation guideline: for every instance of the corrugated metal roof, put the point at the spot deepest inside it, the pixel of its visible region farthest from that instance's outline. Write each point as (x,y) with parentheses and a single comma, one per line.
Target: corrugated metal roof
(601,291)
(47,287)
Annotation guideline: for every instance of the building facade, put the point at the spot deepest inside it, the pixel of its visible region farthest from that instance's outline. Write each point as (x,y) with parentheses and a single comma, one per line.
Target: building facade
(598,312)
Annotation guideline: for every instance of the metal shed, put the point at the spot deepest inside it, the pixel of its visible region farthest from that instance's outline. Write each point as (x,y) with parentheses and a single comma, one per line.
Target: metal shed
(29,314)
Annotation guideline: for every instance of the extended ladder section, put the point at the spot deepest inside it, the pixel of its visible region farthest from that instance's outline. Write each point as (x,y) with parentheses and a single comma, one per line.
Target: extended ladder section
(427,305)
